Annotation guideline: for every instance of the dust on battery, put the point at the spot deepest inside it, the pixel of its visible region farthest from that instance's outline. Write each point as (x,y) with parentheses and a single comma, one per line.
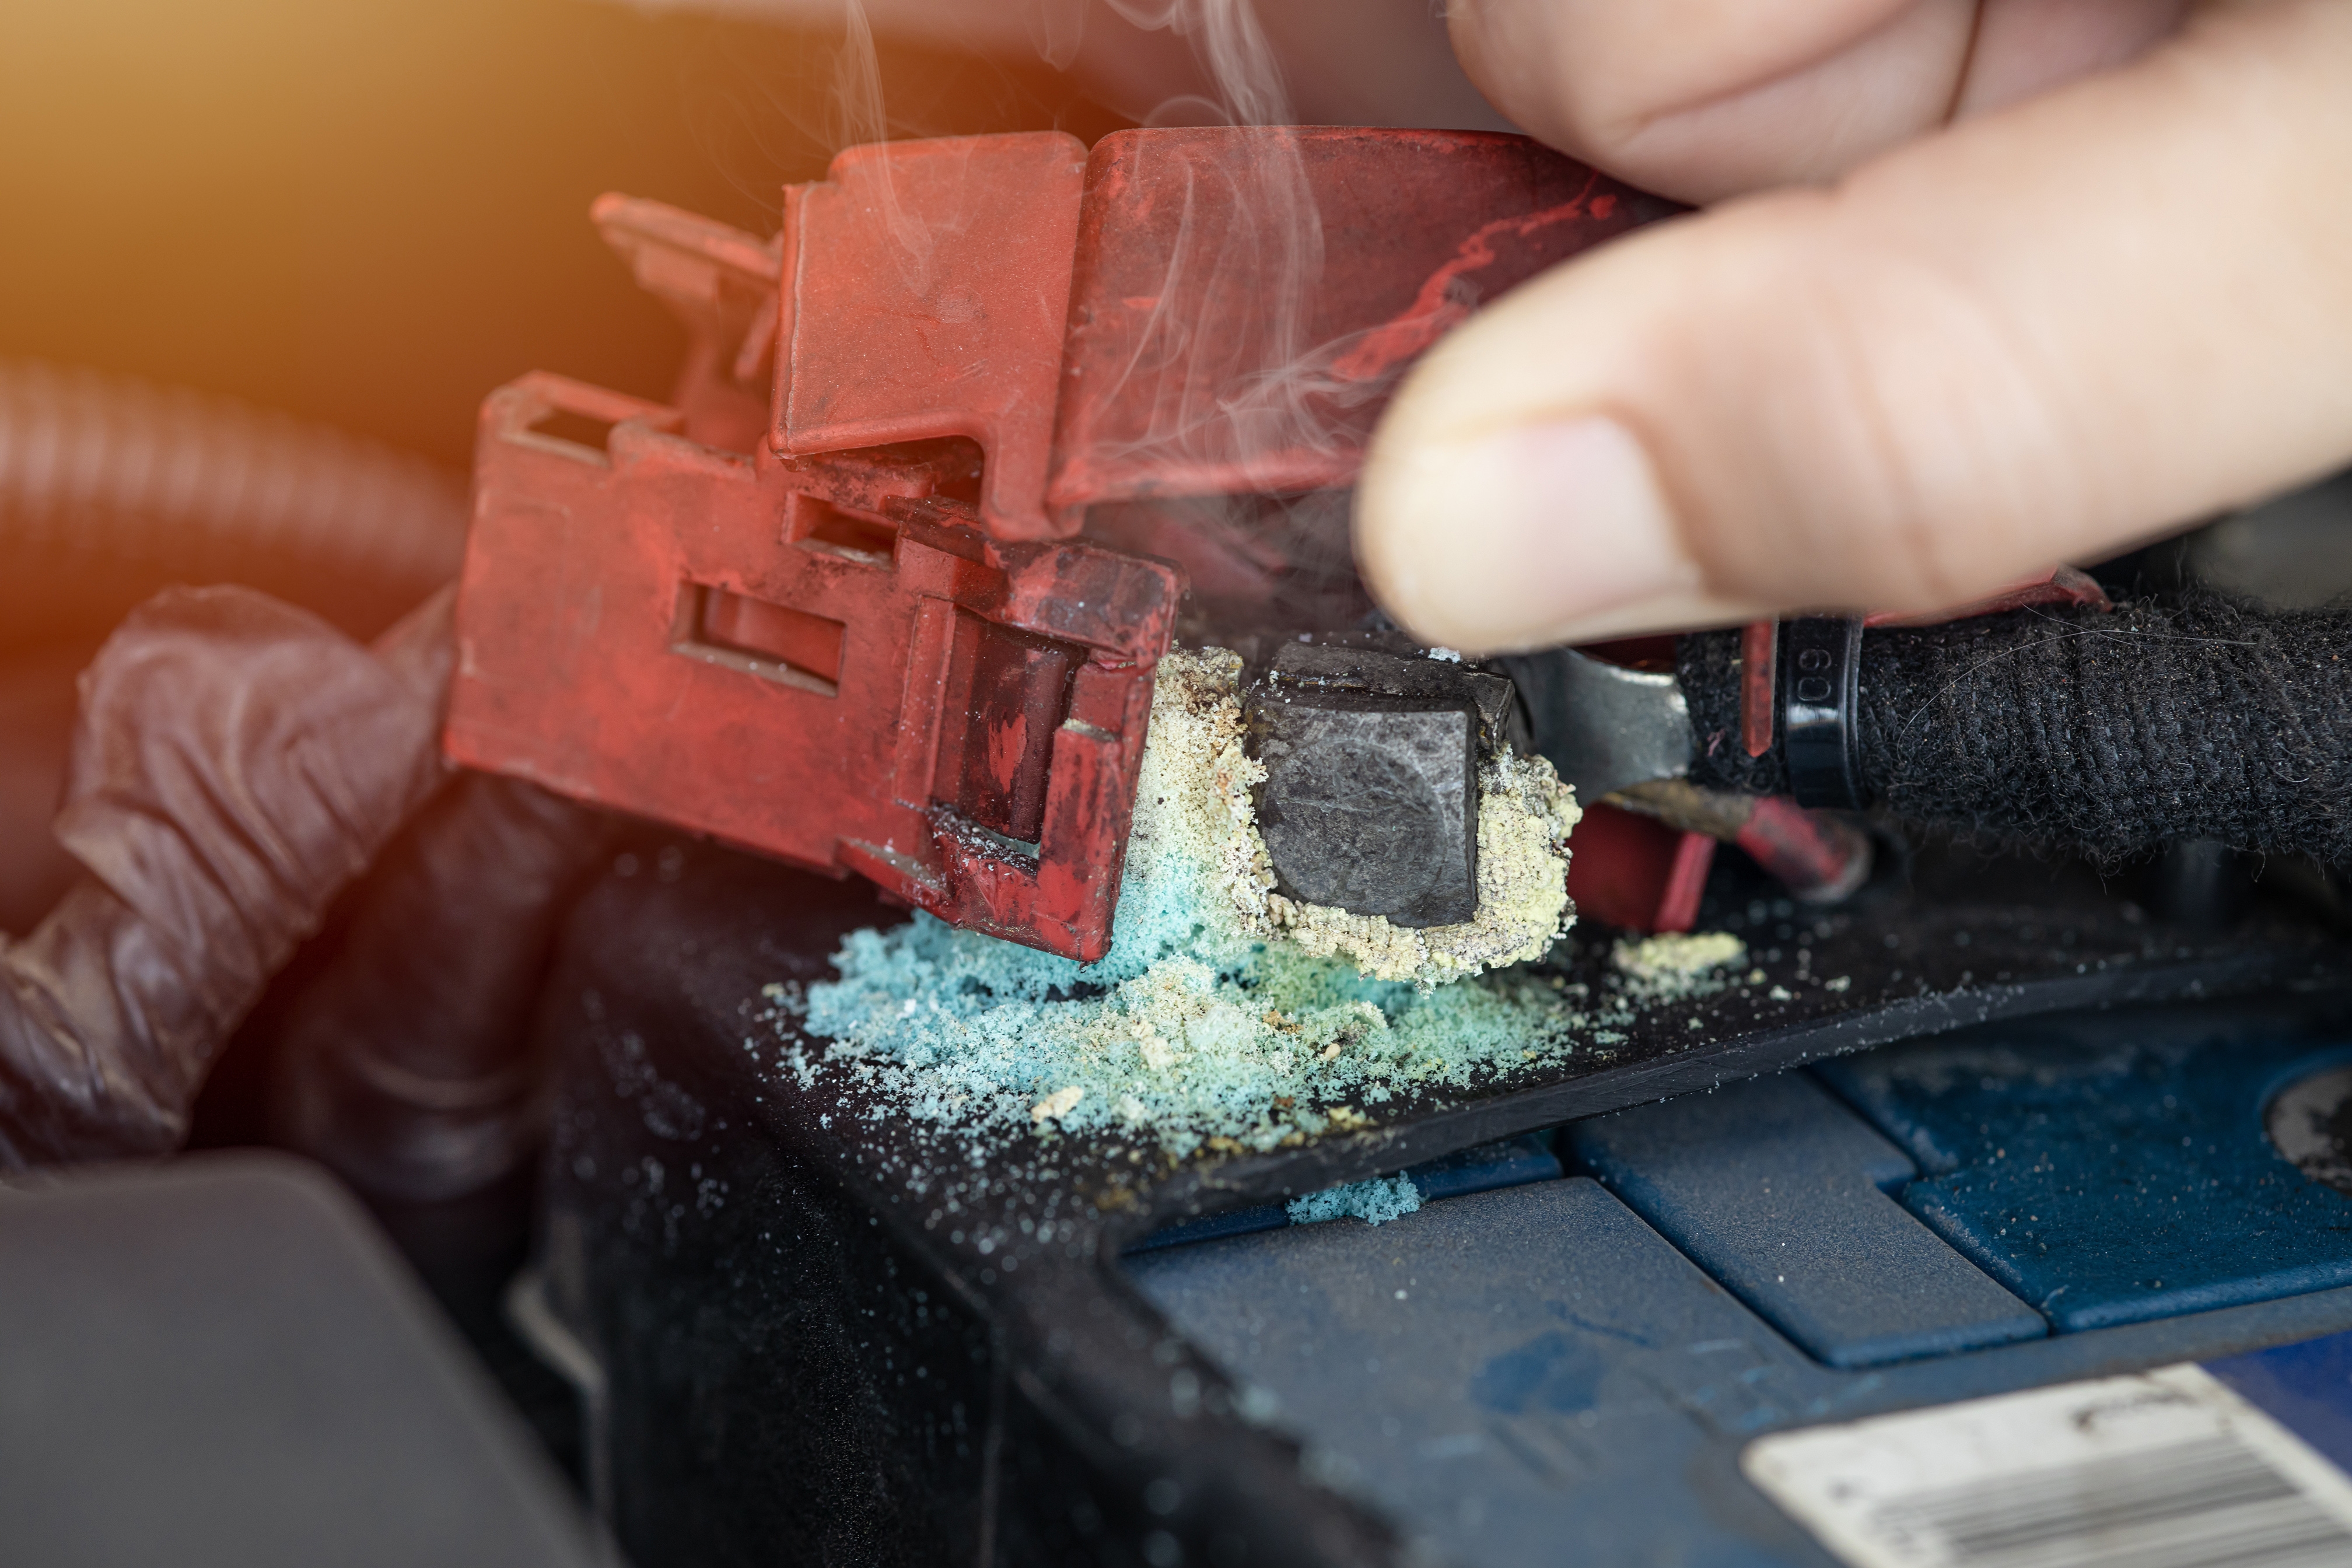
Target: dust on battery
(1226,1016)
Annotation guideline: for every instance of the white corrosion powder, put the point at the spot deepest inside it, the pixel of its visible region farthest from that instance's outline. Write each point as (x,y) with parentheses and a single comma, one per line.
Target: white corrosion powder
(1222,1016)
(1524,815)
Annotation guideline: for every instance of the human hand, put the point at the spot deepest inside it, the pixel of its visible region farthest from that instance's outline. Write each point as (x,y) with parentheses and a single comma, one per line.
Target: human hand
(1994,283)
(236,763)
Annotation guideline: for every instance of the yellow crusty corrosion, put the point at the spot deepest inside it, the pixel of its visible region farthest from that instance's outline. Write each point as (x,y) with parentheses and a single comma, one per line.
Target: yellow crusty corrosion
(1524,817)
(1222,1018)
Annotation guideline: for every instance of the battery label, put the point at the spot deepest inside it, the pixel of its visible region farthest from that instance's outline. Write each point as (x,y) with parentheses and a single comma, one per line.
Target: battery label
(2186,1467)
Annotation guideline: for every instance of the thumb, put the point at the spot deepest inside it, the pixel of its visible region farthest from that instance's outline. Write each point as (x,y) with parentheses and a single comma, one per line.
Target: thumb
(2034,337)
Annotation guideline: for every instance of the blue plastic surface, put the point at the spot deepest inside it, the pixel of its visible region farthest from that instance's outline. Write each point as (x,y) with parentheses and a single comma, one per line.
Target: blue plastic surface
(1534,1376)
(1506,1163)
(2111,1169)
(1497,1368)
(1210,1227)
(1778,1191)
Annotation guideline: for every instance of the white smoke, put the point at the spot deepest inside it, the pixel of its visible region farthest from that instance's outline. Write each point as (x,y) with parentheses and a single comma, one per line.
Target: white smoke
(1232,48)
(863,120)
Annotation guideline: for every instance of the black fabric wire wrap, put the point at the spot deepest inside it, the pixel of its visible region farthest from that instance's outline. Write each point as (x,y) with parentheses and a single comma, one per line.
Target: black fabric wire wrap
(2111,732)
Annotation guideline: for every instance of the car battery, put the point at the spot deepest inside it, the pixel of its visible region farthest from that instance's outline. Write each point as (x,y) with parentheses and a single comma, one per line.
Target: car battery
(2022,1146)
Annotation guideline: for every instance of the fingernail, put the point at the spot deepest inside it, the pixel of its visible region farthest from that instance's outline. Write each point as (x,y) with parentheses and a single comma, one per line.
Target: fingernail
(1541,534)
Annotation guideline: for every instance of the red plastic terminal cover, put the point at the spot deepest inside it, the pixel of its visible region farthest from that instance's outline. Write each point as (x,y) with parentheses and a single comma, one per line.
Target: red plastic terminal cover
(860,646)
(669,629)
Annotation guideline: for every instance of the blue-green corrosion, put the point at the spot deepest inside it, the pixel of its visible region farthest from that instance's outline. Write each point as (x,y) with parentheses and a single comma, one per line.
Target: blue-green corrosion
(1177,1033)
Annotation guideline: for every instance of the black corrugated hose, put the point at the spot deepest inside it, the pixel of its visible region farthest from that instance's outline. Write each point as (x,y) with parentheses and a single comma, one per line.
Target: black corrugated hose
(236,763)
(96,467)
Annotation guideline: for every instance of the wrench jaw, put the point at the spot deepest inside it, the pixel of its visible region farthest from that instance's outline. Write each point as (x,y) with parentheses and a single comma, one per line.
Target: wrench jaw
(1604,726)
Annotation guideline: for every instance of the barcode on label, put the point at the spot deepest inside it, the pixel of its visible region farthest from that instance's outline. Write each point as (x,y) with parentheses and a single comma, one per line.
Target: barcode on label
(2190,1506)
(2168,1469)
